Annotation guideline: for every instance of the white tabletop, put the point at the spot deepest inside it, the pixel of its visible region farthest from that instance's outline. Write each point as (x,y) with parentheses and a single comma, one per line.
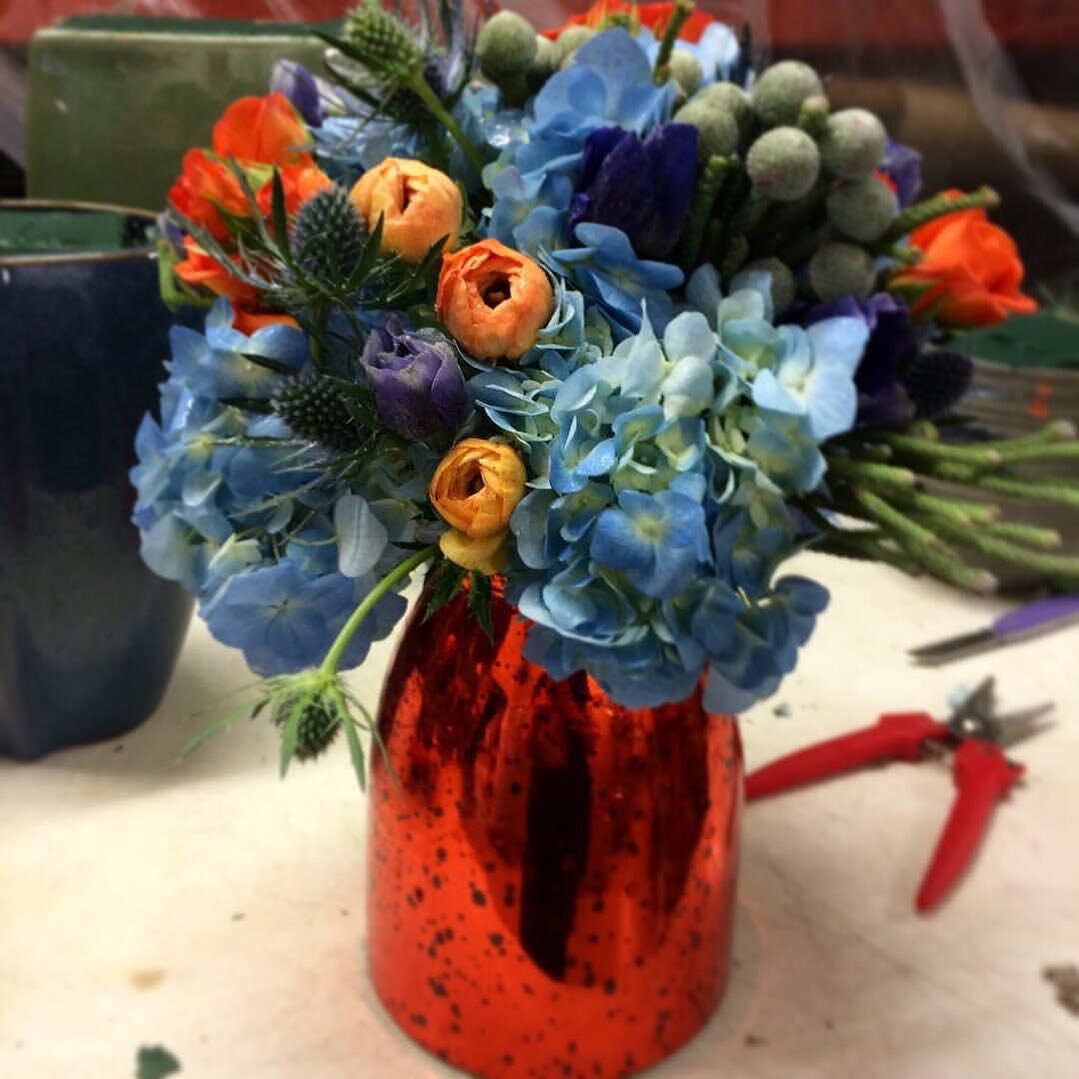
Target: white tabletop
(203,905)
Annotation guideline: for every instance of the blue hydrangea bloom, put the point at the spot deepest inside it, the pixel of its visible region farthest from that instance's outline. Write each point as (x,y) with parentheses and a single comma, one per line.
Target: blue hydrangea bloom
(646,554)
(608,85)
(285,620)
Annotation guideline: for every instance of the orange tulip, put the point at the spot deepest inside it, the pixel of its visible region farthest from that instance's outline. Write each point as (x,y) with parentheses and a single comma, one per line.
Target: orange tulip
(494,300)
(199,268)
(477,486)
(418,205)
(262,129)
(204,188)
(970,272)
(298,184)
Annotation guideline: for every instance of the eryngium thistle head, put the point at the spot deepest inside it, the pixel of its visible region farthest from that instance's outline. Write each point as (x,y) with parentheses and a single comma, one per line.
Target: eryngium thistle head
(936,380)
(383,43)
(328,236)
(313,409)
(319,726)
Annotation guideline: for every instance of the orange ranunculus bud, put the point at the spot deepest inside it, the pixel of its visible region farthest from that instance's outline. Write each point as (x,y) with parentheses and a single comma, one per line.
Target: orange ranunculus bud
(298,184)
(204,188)
(488,555)
(263,129)
(418,205)
(969,274)
(199,268)
(494,300)
(476,487)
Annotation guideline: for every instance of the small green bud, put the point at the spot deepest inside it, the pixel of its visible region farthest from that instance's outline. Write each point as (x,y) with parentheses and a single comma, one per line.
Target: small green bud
(544,64)
(863,209)
(783,286)
(686,70)
(813,115)
(571,39)
(778,94)
(783,164)
(853,143)
(839,270)
(716,125)
(506,46)
(385,44)
(732,97)
(319,726)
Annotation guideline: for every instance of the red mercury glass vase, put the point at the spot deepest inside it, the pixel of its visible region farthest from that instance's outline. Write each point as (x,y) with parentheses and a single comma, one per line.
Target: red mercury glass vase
(552,876)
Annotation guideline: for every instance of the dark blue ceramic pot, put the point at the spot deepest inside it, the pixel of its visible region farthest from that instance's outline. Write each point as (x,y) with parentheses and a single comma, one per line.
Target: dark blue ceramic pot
(88,635)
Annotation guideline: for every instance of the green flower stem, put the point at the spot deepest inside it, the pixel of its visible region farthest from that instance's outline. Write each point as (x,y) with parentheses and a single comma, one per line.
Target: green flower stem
(1045,451)
(1048,539)
(707,192)
(954,472)
(418,85)
(981,540)
(871,472)
(864,548)
(862,544)
(1056,431)
(1064,494)
(749,214)
(398,573)
(980,456)
(682,11)
(955,509)
(924,546)
(923,212)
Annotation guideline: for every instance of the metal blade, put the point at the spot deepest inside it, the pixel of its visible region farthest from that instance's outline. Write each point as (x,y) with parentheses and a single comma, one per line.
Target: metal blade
(1018,726)
(953,647)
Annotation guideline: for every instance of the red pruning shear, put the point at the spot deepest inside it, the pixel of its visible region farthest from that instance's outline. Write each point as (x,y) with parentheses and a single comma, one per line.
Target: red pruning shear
(983,774)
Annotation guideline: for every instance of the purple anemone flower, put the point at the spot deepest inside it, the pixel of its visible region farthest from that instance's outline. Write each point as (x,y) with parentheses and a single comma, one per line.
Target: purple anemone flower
(903,166)
(300,87)
(642,187)
(417,382)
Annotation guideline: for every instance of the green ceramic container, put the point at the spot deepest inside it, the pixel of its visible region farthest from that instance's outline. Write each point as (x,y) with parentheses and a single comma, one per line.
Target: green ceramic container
(114,101)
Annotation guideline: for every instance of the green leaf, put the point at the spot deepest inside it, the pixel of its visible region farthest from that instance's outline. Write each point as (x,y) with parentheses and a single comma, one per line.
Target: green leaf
(291,737)
(446,579)
(479,602)
(280,219)
(367,259)
(355,746)
(271,365)
(155,1062)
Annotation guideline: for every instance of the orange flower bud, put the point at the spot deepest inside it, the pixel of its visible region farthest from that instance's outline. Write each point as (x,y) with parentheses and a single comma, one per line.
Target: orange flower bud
(199,268)
(970,272)
(477,486)
(488,556)
(418,206)
(264,129)
(494,300)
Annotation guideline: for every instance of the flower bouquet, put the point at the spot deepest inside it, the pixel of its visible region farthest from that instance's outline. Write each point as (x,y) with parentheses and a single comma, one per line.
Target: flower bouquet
(599,325)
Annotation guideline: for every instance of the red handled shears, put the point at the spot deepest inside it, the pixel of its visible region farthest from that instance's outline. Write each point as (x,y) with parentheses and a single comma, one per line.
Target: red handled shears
(982,772)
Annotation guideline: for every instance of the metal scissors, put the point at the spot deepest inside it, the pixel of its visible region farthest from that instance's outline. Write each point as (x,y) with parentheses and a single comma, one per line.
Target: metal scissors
(983,773)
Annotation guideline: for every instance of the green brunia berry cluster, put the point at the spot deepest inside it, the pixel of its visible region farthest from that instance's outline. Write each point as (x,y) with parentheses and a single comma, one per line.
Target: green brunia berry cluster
(789,185)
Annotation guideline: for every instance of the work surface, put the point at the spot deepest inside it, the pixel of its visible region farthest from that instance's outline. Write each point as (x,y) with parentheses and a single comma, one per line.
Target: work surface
(203,905)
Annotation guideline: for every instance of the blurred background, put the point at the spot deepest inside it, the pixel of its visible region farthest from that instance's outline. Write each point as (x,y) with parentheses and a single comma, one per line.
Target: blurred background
(988,90)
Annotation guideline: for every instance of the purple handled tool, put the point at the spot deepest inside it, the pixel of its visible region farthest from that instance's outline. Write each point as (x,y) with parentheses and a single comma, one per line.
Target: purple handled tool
(1044,616)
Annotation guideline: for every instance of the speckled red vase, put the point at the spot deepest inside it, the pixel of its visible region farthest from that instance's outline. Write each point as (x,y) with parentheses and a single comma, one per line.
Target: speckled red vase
(551,876)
